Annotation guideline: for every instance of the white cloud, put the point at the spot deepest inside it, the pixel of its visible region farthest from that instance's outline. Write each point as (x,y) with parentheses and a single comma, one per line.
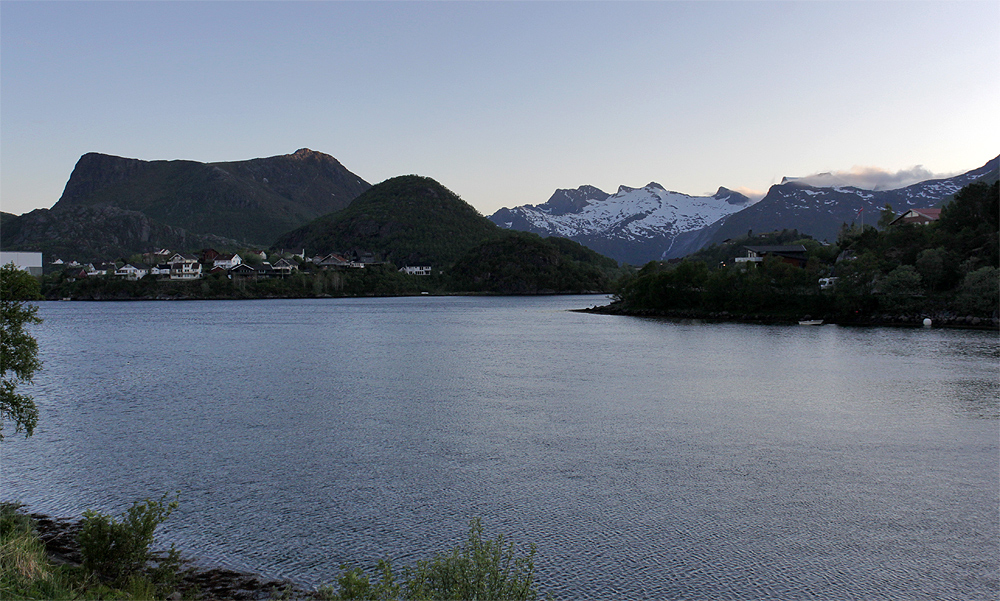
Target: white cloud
(750,193)
(870,178)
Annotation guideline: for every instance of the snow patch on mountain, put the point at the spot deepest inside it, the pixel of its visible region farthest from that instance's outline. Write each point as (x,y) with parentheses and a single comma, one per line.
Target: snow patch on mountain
(629,214)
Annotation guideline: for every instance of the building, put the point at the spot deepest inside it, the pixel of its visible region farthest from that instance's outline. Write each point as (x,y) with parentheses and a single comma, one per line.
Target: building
(132,271)
(184,267)
(27,261)
(284,267)
(794,254)
(421,270)
(918,216)
(227,261)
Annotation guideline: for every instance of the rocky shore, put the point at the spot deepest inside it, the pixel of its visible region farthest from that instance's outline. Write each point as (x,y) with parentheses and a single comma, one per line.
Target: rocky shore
(60,538)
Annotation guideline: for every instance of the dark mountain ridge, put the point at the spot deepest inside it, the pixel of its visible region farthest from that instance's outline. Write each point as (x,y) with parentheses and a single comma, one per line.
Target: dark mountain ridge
(252,201)
(820,212)
(113,206)
(97,233)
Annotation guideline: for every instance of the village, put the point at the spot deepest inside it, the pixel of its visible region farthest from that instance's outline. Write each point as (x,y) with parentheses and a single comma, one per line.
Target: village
(164,264)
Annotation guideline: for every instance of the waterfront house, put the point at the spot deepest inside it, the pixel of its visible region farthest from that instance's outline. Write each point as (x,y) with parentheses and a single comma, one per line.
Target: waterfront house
(184,267)
(99,269)
(227,261)
(333,260)
(242,271)
(160,271)
(132,271)
(284,267)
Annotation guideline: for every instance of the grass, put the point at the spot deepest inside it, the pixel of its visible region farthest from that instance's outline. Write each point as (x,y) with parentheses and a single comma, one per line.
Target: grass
(28,573)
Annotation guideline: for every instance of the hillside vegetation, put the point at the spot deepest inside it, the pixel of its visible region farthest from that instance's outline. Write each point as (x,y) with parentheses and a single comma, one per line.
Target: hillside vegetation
(406,220)
(947,269)
(414,220)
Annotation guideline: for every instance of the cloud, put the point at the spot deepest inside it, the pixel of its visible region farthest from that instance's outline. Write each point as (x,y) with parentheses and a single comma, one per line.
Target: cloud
(870,178)
(750,193)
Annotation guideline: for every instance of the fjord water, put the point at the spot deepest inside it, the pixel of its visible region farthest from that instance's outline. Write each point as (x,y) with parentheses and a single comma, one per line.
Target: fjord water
(645,458)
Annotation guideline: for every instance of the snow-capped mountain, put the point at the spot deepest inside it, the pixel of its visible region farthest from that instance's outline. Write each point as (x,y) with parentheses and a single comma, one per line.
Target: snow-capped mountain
(637,225)
(820,212)
(634,225)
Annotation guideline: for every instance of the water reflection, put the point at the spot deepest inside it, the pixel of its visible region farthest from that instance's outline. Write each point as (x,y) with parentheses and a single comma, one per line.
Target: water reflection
(646,458)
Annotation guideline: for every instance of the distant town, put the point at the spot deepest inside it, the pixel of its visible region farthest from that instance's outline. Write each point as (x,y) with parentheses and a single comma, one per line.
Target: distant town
(165,264)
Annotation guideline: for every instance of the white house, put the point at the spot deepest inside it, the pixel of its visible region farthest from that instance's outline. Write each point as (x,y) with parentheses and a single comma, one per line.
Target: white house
(410,270)
(227,261)
(30,262)
(161,271)
(132,272)
(184,267)
(99,269)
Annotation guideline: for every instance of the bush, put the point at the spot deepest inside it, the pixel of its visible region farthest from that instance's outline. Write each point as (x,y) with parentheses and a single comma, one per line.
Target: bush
(479,569)
(118,551)
(980,292)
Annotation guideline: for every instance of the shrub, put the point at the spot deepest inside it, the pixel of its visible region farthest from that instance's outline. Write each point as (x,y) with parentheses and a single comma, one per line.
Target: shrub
(980,292)
(479,569)
(118,551)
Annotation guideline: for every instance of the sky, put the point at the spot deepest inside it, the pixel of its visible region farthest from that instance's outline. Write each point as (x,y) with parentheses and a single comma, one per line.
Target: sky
(505,102)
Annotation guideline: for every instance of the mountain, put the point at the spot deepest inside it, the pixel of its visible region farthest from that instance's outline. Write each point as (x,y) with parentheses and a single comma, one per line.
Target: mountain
(113,206)
(820,212)
(408,220)
(97,233)
(639,225)
(253,201)
(634,225)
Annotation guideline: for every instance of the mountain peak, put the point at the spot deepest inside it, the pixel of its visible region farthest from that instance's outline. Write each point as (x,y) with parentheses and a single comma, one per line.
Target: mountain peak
(730,196)
(304,154)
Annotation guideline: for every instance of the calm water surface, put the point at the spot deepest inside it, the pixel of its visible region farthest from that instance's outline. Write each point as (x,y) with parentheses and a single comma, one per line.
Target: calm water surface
(647,459)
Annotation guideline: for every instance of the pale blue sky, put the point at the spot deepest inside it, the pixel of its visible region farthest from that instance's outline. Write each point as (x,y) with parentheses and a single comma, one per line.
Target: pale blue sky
(503,102)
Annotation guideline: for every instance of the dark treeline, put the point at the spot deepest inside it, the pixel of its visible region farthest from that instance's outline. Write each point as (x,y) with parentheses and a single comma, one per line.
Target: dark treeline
(946,269)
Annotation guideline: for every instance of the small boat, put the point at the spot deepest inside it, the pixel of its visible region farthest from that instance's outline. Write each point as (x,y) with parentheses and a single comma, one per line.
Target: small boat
(810,322)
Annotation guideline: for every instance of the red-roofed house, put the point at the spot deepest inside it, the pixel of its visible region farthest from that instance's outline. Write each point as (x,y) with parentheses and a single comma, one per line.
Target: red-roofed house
(919,216)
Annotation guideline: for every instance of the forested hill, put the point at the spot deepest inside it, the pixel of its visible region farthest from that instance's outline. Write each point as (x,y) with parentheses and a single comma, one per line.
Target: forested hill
(414,220)
(406,220)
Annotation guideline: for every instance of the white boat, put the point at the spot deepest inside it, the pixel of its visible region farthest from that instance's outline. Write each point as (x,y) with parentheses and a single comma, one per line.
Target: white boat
(810,322)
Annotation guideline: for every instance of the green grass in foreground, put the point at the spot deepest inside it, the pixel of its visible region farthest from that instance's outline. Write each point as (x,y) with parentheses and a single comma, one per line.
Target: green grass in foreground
(118,565)
(27,572)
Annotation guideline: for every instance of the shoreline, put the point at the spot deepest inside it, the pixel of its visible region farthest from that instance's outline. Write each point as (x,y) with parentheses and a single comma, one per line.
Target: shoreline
(311,297)
(59,537)
(938,320)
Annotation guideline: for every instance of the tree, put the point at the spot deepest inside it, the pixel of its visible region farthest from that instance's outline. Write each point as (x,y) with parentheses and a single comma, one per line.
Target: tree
(887,217)
(18,349)
(980,292)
